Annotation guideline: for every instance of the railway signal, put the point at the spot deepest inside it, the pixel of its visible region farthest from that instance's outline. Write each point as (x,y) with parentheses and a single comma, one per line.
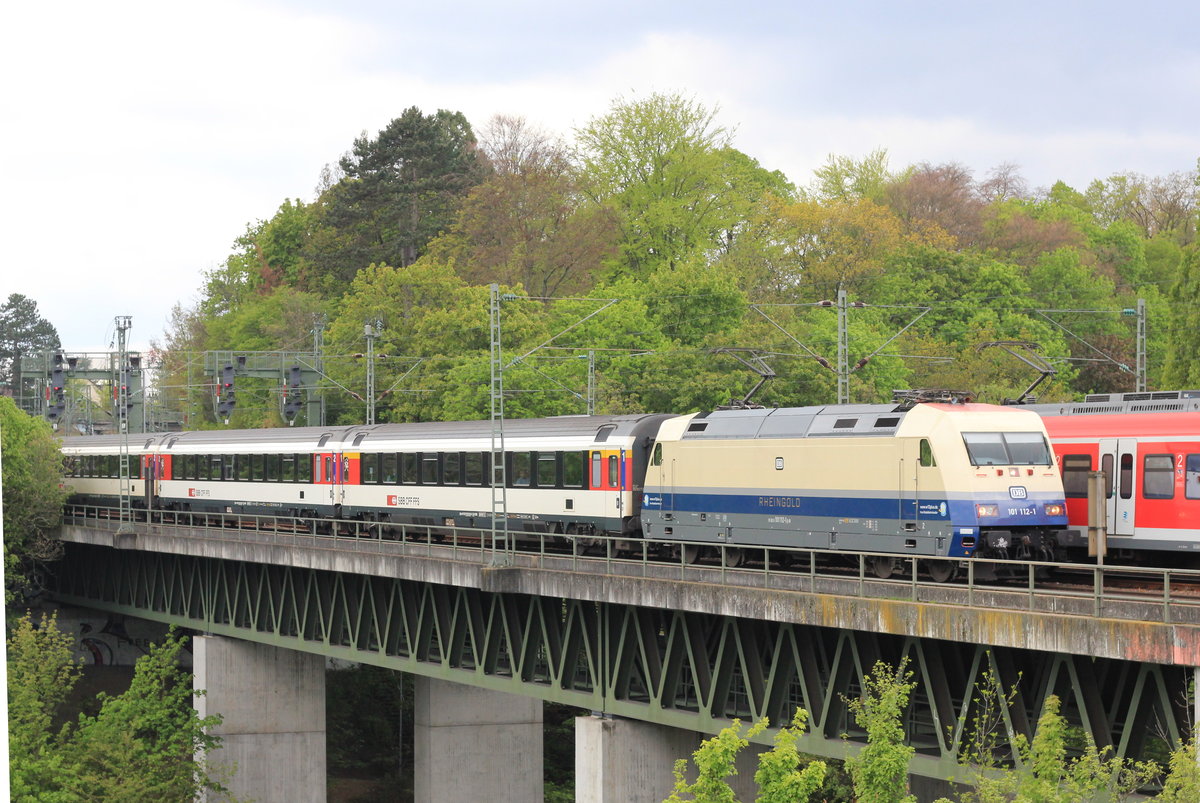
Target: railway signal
(226,395)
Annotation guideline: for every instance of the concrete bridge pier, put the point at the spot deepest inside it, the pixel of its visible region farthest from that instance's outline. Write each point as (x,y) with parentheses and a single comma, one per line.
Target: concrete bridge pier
(474,744)
(272,701)
(627,761)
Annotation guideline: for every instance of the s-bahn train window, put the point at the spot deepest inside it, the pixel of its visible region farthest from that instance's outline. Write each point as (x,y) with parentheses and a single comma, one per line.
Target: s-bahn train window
(597,471)
(1191,485)
(1126,484)
(547,469)
(473,468)
(614,475)
(1106,466)
(451,468)
(574,467)
(1075,468)
(1158,476)
(408,469)
(389,468)
(520,469)
(927,454)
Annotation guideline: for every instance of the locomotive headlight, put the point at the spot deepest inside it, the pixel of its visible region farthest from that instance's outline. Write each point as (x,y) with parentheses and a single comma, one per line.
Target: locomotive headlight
(1055,510)
(983,511)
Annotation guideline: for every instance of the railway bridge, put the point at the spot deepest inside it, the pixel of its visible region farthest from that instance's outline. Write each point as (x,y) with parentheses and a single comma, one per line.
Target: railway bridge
(659,650)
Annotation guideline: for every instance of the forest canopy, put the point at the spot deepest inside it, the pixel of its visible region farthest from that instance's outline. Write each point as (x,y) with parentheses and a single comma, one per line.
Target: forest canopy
(651,260)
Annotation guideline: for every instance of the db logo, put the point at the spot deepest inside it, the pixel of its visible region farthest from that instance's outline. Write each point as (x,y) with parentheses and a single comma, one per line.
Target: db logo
(1018,492)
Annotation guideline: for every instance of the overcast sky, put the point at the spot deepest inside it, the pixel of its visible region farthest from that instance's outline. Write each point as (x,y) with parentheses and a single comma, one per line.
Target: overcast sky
(140,138)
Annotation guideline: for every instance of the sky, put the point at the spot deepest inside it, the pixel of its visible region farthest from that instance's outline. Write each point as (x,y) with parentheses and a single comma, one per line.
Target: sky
(141,138)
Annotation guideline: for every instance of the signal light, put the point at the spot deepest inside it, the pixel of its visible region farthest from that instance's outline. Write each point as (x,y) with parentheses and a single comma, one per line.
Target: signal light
(56,396)
(291,394)
(226,397)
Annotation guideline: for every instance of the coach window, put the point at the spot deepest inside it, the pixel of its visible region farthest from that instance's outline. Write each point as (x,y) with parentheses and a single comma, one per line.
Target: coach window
(451,468)
(547,469)
(574,467)
(389,468)
(370,469)
(1191,486)
(304,468)
(473,468)
(1126,483)
(429,468)
(227,467)
(1075,468)
(243,467)
(520,469)
(597,470)
(287,468)
(328,476)
(408,469)
(927,454)
(257,472)
(614,476)
(1158,476)
(271,468)
(1106,466)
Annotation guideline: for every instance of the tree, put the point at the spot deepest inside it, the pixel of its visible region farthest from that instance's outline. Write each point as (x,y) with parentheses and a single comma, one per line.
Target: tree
(1182,368)
(842,178)
(880,770)
(398,191)
(33,497)
(23,333)
(525,224)
(143,745)
(780,777)
(939,195)
(667,171)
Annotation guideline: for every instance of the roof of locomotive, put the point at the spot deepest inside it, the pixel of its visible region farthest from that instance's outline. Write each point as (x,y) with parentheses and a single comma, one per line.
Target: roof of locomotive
(834,420)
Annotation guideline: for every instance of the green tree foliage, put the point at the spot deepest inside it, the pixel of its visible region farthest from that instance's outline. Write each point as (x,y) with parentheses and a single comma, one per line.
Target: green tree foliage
(23,332)
(668,173)
(146,744)
(783,774)
(880,770)
(845,179)
(1182,368)
(33,496)
(398,191)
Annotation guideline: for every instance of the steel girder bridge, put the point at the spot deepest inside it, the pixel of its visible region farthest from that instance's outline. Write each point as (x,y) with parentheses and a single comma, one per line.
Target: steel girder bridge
(690,669)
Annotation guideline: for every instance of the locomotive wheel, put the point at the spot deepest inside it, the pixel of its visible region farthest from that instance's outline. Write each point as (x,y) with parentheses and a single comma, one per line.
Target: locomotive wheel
(690,553)
(735,557)
(942,571)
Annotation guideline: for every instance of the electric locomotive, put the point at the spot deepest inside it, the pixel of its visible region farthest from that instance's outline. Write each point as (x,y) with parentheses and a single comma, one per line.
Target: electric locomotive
(947,480)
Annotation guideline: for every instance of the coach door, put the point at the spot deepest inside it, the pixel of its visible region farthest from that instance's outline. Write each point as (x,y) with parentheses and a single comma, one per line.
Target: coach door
(1118,461)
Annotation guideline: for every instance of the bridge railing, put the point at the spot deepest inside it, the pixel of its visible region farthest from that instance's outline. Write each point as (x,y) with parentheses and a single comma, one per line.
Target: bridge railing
(1160,594)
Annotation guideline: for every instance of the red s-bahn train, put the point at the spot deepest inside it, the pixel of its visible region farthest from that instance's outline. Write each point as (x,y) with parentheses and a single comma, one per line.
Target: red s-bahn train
(1148,447)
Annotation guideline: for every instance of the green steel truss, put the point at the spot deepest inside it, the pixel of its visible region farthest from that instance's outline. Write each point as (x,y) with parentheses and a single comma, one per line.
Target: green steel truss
(687,670)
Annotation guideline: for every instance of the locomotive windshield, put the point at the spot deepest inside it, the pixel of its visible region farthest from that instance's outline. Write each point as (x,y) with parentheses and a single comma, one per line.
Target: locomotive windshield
(1007,448)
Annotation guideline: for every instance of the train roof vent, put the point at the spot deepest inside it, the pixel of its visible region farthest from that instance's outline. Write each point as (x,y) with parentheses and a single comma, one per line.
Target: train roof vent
(359,438)
(697,426)
(324,440)
(845,423)
(888,422)
(604,431)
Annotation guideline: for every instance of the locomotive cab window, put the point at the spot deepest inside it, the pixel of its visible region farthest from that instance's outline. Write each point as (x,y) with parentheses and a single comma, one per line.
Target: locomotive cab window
(1007,448)
(1158,476)
(656,460)
(927,454)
